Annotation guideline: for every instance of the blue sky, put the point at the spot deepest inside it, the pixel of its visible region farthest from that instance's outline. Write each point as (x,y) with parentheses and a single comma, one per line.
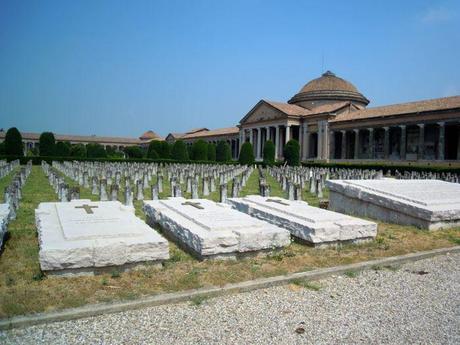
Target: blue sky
(122,67)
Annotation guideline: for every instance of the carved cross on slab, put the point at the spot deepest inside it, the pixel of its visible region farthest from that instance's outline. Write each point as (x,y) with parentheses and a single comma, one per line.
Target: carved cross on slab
(277,201)
(87,208)
(194,204)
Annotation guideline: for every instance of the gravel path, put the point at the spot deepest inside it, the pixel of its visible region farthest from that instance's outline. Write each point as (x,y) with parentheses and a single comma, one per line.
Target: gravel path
(417,303)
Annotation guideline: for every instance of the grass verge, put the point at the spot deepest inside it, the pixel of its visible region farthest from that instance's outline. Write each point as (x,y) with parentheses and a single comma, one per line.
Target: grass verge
(24,289)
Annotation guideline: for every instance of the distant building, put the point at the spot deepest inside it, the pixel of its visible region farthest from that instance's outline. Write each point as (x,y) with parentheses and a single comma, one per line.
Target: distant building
(330,119)
(31,140)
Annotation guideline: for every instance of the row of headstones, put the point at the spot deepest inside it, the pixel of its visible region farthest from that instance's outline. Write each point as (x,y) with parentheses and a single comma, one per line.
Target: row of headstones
(7,167)
(293,180)
(13,192)
(428,175)
(176,174)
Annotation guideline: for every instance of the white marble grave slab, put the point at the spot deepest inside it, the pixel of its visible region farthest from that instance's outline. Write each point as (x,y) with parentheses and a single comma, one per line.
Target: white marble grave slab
(213,230)
(312,224)
(4,219)
(73,236)
(429,204)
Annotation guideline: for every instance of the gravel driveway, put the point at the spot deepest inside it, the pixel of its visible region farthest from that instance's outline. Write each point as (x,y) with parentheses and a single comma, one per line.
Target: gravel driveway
(417,303)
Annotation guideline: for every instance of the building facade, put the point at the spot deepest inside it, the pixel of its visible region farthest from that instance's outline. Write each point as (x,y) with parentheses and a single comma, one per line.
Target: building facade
(330,119)
(31,140)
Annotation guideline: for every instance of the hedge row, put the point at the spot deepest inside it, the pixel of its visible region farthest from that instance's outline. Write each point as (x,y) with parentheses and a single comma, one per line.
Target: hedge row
(37,160)
(388,166)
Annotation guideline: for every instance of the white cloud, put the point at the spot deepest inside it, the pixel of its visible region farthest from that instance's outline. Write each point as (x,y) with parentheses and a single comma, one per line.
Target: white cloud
(437,15)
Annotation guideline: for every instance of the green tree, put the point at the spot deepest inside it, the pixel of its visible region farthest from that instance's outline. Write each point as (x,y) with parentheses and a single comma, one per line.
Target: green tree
(200,150)
(165,150)
(78,151)
(211,152)
(190,152)
(47,144)
(246,154)
(113,152)
(223,152)
(133,152)
(13,142)
(292,152)
(154,148)
(62,149)
(2,148)
(269,152)
(179,151)
(95,150)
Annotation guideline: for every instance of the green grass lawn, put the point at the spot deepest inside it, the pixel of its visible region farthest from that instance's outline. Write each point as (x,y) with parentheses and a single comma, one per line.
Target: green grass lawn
(24,289)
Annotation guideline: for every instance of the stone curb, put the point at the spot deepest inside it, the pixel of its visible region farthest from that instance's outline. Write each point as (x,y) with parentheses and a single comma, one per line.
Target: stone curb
(169,298)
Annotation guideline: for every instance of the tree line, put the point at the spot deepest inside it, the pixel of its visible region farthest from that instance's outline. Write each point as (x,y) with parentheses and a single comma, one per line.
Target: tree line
(200,150)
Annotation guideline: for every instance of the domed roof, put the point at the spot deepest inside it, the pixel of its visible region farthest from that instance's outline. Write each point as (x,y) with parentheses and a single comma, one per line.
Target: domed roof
(329,87)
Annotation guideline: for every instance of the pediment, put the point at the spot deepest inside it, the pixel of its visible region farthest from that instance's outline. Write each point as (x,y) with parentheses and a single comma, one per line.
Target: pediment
(263,112)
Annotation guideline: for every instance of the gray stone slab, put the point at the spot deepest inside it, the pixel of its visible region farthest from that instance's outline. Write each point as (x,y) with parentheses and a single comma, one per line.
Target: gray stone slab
(214,230)
(317,226)
(429,204)
(83,239)
(4,218)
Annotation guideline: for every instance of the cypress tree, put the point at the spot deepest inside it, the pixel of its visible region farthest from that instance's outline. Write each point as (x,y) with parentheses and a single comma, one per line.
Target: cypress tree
(292,152)
(211,152)
(246,154)
(13,142)
(269,152)
(62,149)
(223,152)
(47,144)
(200,150)
(179,151)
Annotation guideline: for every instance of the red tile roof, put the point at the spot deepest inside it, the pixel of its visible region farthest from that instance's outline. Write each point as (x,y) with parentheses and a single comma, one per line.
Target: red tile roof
(436,104)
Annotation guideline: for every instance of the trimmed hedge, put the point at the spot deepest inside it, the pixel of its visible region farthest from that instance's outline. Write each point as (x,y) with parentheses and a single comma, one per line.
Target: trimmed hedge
(385,167)
(37,160)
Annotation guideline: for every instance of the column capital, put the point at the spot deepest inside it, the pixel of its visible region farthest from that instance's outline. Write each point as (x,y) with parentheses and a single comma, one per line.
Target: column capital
(386,128)
(421,125)
(370,129)
(441,123)
(343,131)
(402,126)
(356,130)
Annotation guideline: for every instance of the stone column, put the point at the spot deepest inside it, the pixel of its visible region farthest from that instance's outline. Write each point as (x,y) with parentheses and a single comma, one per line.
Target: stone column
(301,140)
(259,142)
(371,143)
(441,142)
(402,143)
(277,142)
(305,141)
(386,143)
(356,153)
(320,140)
(332,143)
(241,140)
(251,139)
(421,141)
(267,131)
(288,134)
(343,152)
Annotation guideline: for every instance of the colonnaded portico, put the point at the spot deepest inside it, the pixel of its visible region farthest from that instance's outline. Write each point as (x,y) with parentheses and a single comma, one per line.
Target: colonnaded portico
(330,119)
